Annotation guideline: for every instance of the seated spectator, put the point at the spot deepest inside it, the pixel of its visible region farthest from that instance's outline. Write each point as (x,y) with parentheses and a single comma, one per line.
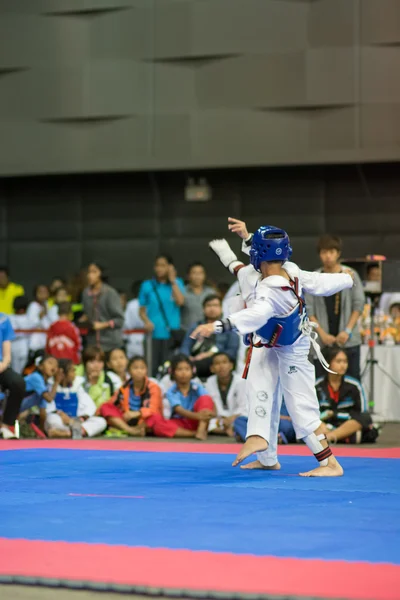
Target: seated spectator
(394,311)
(103,310)
(38,311)
(72,412)
(227,389)
(123,296)
(11,383)
(8,292)
(196,291)
(160,300)
(20,345)
(63,337)
(134,341)
(96,382)
(343,403)
(202,351)
(61,296)
(117,365)
(136,401)
(191,406)
(38,391)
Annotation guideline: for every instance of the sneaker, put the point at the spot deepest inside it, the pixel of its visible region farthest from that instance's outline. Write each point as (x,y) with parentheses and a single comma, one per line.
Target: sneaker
(8,432)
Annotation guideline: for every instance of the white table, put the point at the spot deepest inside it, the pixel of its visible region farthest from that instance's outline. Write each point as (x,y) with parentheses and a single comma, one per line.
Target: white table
(387,394)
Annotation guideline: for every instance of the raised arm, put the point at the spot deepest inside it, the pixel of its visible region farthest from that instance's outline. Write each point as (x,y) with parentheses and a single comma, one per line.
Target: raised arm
(325,284)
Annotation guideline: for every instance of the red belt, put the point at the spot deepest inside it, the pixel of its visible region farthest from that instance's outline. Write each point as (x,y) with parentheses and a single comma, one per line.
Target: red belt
(273,342)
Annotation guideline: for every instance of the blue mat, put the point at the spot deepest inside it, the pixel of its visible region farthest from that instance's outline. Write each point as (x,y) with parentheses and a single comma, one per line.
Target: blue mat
(199,502)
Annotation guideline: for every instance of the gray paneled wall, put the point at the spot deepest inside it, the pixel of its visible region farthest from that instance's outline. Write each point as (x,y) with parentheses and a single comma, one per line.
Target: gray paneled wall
(92,85)
(55,225)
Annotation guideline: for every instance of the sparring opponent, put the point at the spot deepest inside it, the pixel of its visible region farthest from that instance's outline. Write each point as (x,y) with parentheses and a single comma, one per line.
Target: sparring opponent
(279,334)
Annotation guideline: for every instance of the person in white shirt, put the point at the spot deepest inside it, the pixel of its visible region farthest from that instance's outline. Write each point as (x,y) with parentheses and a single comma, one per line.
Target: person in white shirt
(38,311)
(280,342)
(72,412)
(228,391)
(20,345)
(134,341)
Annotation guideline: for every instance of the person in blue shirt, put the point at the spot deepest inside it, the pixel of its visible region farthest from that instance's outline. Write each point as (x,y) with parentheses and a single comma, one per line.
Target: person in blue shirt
(160,302)
(12,385)
(191,405)
(38,393)
(201,352)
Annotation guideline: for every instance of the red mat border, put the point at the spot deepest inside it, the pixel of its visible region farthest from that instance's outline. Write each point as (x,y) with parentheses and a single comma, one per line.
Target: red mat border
(191,448)
(194,570)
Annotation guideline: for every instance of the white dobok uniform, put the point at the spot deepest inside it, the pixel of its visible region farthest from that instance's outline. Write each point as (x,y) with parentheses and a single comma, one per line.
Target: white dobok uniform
(83,406)
(236,401)
(280,370)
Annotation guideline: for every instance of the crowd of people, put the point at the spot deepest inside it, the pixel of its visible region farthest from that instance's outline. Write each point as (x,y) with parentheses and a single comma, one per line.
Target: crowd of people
(72,367)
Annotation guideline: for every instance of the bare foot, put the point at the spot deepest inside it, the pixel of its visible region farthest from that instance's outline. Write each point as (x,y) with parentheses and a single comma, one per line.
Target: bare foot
(138,430)
(332,469)
(256,464)
(201,435)
(253,444)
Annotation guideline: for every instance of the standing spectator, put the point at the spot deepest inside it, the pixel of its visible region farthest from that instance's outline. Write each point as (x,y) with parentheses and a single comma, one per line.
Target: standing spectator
(337,315)
(160,300)
(201,352)
(38,312)
(8,292)
(63,337)
(61,296)
(11,383)
(55,285)
(195,293)
(103,311)
(20,345)
(134,341)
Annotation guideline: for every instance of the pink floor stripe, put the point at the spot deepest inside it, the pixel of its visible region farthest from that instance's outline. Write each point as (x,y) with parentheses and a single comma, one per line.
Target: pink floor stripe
(192,448)
(185,569)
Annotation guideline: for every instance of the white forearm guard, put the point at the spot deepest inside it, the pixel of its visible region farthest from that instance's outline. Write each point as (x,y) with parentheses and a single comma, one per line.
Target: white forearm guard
(225,254)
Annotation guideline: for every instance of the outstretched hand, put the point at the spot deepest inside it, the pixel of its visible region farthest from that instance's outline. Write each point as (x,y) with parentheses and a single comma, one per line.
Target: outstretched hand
(239,227)
(203,331)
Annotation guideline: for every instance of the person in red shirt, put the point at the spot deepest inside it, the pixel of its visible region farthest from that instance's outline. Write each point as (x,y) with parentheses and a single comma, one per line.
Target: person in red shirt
(63,337)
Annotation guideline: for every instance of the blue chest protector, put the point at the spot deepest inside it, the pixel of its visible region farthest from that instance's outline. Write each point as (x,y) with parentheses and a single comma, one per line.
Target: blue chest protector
(67,402)
(286,329)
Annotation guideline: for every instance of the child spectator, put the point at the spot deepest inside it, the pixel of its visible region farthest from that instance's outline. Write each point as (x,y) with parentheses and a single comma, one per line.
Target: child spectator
(343,403)
(12,384)
(96,382)
(56,284)
(134,341)
(63,337)
(72,412)
(61,296)
(20,345)
(38,313)
(37,388)
(136,401)
(192,408)
(227,389)
(117,364)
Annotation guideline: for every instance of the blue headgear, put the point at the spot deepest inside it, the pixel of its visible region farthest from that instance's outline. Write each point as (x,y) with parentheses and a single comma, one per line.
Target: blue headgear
(269,243)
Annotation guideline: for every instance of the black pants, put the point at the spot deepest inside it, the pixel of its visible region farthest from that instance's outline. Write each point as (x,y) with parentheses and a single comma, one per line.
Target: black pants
(353,356)
(14,384)
(160,352)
